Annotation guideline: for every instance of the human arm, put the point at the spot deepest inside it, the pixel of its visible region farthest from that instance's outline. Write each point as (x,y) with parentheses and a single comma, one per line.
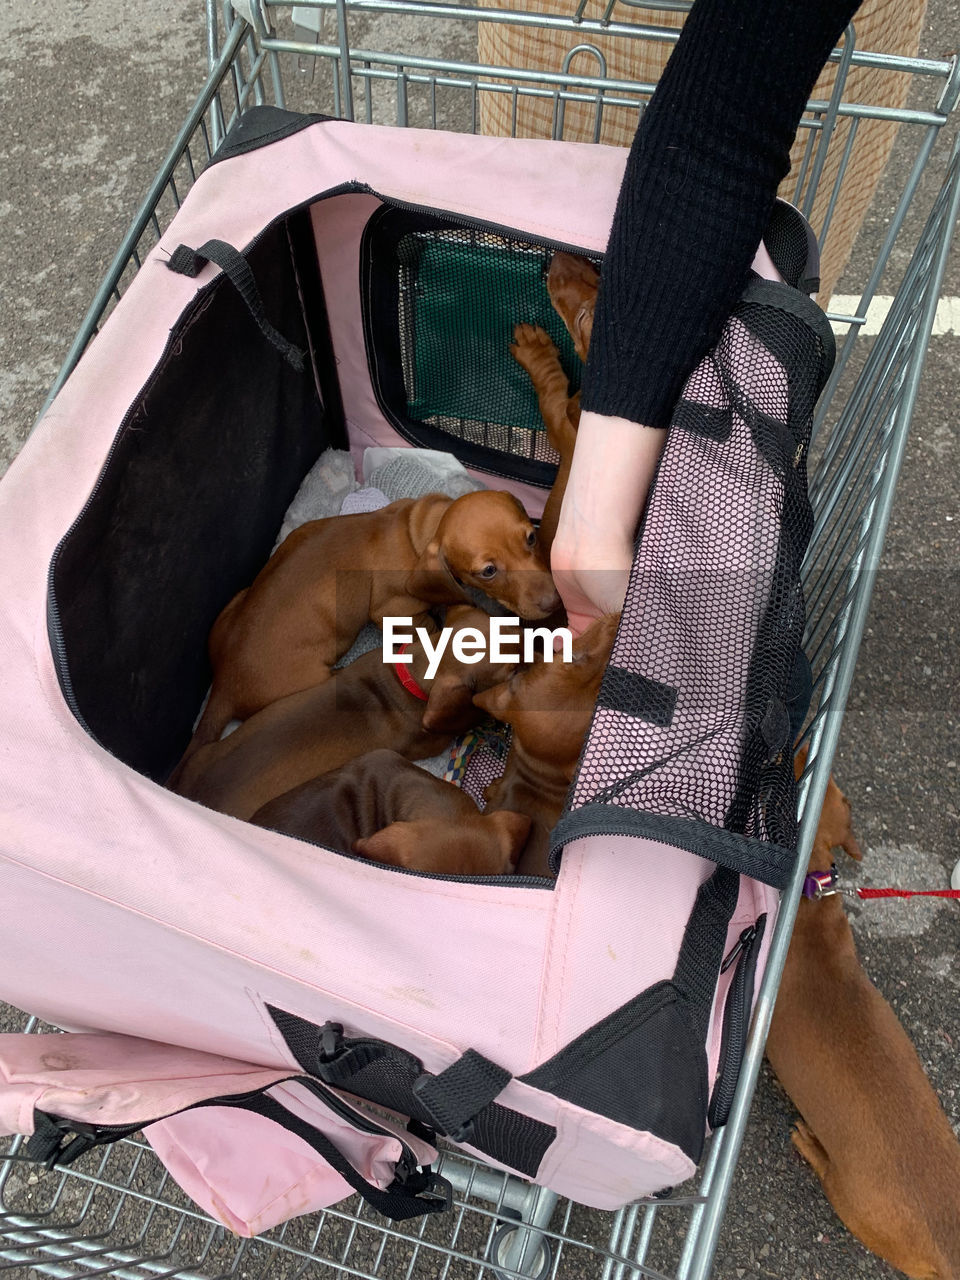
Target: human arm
(700,181)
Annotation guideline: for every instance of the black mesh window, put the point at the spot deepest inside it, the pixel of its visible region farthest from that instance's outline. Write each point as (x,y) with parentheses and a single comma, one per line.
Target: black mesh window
(440,305)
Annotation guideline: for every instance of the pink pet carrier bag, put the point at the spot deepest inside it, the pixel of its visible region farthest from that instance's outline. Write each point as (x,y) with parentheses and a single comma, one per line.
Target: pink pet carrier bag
(289,1023)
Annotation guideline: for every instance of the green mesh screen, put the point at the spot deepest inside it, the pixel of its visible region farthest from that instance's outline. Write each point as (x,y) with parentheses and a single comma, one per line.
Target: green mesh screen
(461,294)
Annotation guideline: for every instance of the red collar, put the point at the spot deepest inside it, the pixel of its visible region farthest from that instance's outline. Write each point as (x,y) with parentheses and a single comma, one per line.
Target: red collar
(406,678)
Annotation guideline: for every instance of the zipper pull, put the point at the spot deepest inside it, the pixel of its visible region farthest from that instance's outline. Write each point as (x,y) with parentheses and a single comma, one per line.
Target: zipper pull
(744,940)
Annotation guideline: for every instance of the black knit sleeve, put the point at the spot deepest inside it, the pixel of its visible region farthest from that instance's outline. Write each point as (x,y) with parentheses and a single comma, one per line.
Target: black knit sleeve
(711,149)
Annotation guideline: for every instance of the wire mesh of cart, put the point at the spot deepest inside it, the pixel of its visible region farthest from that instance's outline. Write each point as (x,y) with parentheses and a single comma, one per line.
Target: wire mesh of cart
(119,1213)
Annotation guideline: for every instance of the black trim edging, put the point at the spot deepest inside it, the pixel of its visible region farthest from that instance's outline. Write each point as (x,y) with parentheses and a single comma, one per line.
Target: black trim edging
(771,864)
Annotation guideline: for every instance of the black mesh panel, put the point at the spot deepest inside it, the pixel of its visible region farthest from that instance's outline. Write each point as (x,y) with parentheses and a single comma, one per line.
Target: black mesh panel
(440,305)
(714,610)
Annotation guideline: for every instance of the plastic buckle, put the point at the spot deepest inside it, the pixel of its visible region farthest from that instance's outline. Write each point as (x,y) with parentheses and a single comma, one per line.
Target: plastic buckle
(331,1041)
(437,1188)
(56,1141)
(73,1150)
(463,1132)
(423,1183)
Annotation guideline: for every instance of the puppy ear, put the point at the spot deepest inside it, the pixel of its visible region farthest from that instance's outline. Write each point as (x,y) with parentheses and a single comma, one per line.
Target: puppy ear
(572,283)
(431,580)
(391,845)
(449,706)
(497,701)
(512,831)
(583,329)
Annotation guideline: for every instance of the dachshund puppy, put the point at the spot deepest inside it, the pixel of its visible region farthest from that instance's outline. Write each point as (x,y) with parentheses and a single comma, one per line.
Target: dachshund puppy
(872,1127)
(382,807)
(329,577)
(572,284)
(549,706)
(367,705)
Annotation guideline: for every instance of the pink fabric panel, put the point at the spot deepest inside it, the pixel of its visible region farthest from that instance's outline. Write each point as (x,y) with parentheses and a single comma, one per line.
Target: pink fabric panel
(622,907)
(326,944)
(338,224)
(251,1174)
(243,1170)
(111,1079)
(605,1166)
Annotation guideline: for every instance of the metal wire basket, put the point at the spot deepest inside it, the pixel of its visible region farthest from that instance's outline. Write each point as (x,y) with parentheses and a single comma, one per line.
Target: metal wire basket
(119,1213)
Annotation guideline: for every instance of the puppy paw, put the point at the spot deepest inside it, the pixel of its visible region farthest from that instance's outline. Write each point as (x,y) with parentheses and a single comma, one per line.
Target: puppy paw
(531,345)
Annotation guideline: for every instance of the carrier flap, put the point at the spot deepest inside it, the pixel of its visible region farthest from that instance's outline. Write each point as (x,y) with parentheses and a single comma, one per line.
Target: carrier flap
(107,1079)
(690,743)
(190,497)
(212,1120)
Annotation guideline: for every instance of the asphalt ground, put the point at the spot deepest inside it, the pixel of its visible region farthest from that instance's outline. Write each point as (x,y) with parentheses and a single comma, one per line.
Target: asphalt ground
(92,93)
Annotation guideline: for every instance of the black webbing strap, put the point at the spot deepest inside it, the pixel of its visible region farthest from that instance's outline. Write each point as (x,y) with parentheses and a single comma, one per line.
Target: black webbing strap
(325,1052)
(413,1193)
(354,1055)
(189,262)
(455,1097)
(704,941)
(451,1101)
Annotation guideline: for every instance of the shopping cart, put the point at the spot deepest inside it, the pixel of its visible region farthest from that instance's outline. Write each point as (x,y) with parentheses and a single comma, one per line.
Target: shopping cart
(120,1213)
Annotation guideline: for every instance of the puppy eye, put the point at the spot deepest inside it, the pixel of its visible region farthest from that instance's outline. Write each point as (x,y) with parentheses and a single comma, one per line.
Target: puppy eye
(488,571)
(532,538)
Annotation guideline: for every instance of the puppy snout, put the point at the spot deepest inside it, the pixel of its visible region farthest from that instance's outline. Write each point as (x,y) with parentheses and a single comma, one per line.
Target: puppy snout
(550,602)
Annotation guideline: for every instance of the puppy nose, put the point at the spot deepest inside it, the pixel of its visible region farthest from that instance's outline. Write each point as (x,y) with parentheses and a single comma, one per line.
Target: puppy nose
(550,602)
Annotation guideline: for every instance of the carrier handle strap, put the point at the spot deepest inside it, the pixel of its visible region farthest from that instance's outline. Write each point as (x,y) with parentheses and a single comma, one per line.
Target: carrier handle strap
(451,1100)
(454,1098)
(189,262)
(413,1193)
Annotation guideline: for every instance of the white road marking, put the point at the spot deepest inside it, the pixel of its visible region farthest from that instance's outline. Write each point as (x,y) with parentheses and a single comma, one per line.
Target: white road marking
(946,321)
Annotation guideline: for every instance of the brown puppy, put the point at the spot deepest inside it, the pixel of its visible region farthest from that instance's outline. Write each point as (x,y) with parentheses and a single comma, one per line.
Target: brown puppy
(871,1127)
(549,706)
(363,707)
(306,606)
(572,283)
(385,808)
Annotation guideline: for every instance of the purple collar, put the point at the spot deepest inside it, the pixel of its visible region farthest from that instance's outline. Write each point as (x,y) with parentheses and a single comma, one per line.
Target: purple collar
(821,884)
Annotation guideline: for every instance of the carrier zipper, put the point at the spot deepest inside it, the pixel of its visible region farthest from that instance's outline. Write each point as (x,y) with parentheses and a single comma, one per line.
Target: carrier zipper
(736,1019)
(407,1165)
(57,1142)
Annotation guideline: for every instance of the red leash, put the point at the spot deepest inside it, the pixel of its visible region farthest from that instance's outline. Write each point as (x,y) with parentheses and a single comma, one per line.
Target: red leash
(907,893)
(823,884)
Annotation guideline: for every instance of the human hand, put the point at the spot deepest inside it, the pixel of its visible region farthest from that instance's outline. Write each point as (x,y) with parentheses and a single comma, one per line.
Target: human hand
(613,464)
(592,580)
